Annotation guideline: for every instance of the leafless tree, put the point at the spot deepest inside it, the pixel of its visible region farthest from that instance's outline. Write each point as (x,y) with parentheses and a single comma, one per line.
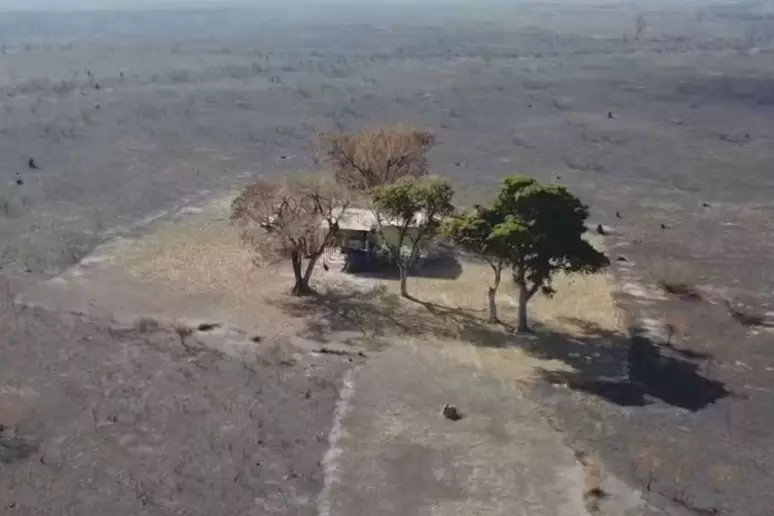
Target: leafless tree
(364,160)
(295,219)
(640,26)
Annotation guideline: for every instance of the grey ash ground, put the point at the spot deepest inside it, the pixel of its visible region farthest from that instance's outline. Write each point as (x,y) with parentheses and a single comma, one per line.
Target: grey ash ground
(126,114)
(102,419)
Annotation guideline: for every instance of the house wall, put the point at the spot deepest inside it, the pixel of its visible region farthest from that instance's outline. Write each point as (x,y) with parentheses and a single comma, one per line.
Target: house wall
(391,236)
(345,236)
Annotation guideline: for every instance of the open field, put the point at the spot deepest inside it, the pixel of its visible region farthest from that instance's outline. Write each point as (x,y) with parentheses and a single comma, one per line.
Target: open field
(128,114)
(191,277)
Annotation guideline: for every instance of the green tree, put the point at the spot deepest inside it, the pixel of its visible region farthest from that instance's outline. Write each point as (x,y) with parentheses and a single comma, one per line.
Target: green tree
(411,209)
(482,232)
(534,229)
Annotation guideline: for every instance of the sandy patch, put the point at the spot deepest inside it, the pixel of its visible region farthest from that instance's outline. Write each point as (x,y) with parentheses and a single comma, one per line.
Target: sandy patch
(196,268)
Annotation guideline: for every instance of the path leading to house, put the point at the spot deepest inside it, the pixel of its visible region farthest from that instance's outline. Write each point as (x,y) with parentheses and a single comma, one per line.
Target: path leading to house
(391,451)
(394,453)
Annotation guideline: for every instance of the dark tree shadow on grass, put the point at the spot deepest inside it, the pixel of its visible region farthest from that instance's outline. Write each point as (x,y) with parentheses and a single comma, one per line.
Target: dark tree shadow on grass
(351,317)
(347,316)
(630,371)
(444,267)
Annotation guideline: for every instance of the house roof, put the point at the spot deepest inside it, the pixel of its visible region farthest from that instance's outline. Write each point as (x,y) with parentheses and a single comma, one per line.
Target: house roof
(359,219)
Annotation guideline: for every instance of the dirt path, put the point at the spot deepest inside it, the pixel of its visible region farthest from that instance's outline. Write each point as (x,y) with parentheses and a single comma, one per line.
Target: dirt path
(397,454)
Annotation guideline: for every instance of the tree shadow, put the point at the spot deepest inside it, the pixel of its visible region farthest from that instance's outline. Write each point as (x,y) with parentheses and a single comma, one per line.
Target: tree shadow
(354,317)
(445,267)
(631,371)
(347,316)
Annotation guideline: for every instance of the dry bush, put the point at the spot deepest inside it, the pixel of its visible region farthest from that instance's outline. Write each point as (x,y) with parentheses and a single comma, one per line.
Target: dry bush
(679,289)
(364,160)
(677,279)
(747,316)
(296,219)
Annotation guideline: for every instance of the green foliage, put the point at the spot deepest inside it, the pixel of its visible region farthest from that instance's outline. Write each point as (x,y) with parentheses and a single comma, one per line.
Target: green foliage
(483,232)
(414,201)
(414,207)
(556,222)
(535,229)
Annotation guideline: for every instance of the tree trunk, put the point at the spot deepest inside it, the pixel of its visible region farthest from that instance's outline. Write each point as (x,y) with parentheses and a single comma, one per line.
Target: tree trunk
(492,305)
(492,298)
(523,299)
(310,267)
(301,285)
(403,278)
(520,277)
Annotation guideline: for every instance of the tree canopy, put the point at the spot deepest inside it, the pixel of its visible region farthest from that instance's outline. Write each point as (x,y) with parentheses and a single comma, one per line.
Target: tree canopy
(536,230)
(295,219)
(413,207)
(364,160)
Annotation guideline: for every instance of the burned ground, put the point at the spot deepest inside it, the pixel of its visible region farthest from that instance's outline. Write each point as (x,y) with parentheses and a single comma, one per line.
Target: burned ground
(126,114)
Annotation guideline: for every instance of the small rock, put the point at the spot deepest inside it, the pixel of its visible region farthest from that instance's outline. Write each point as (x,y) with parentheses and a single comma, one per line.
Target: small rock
(705,205)
(31,164)
(601,230)
(451,412)
(622,258)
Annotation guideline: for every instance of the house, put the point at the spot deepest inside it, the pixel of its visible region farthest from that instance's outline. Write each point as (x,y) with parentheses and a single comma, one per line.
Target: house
(359,231)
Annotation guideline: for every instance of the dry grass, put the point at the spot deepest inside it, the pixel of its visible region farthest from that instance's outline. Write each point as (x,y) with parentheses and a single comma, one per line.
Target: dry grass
(580,299)
(205,260)
(582,303)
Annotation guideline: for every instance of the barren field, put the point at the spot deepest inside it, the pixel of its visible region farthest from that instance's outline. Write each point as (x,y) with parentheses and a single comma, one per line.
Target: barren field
(129,114)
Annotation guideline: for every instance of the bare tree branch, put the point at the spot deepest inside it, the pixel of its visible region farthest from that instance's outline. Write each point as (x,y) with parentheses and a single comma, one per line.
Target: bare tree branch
(365,160)
(296,219)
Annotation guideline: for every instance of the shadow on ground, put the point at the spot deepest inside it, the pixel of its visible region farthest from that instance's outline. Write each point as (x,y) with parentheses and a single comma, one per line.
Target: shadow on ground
(377,315)
(631,371)
(444,267)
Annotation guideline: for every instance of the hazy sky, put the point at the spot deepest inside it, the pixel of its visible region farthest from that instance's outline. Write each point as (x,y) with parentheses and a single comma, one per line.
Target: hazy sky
(67,5)
(72,5)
